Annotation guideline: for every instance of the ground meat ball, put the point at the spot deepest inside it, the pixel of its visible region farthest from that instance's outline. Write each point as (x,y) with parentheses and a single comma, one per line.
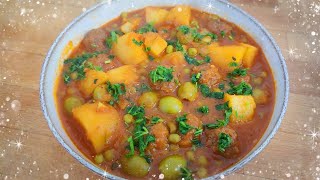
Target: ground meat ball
(100,61)
(216,26)
(193,121)
(209,74)
(161,133)
(94,40)
(166,87)
(213,138)
(239,79)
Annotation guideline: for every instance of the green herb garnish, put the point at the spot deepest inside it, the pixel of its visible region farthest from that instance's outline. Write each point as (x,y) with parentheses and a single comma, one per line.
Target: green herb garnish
(186,174)
(111,39)
(138,43)
(115,90)
(195,78)
(143,88)
(206,92)
(224,142)
(147,28)
(203,109)
(183,126)
(241,89)
(161,74)
(155,120)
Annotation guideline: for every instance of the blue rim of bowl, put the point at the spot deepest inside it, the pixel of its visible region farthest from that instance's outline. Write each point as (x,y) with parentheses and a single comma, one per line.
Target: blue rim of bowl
(228,171)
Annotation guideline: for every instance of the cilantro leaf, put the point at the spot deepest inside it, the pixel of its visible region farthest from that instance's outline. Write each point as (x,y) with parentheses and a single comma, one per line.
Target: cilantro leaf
(147,28)
(161,74)
(195,78)
(224,142)
(186,174)
(241,89)
(138,43)
(116,90)
(183,126)
(111,39)
(206,92)
(155,120)
(203,109)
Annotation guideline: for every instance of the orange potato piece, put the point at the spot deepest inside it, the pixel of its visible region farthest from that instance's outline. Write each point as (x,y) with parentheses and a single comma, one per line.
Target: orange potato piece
(222,56)
(156,43)
(156,15)
(127,51)
(92,80)
(179,15)
(100,122)
(249,56)
(126,74)
(175,59)
(243,107)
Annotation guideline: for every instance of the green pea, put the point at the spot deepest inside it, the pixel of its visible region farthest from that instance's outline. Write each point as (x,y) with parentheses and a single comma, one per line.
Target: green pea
(169,49)
(188,91)
(257,80)
(202,172)
(100,93)
(174,138)
(190,155)
(192,52)
(206,39)
(135,166)
(260,96)
(170,105)
(202,160)
(128,118)
(72,102)
(98,158)
(74,75)
(170,166)
(172,127)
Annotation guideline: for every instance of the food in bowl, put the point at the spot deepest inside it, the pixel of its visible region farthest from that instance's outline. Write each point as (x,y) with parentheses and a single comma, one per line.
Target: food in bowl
(166,92)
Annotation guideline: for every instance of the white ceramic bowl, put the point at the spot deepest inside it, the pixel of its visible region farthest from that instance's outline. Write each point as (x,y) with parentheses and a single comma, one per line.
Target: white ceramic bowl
(105,11)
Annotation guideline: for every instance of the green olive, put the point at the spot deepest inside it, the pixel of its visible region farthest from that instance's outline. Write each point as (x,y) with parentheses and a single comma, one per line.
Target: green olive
(128,118)
(170,105)
(135,166)
(109,154)
(174,138)
(169,49)
(192,52)
(170,166)
(148,99)
(72,102)
(260,96)
(98,158)
(188,91)
(184,38)
(202,172)
(100,93)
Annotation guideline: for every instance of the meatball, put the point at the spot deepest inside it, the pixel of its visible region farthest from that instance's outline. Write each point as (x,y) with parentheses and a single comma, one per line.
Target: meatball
(193,121)
(161,133)
(216,26)
(213,137)
(94,40)
(209,74)
(166,88)
(101,60)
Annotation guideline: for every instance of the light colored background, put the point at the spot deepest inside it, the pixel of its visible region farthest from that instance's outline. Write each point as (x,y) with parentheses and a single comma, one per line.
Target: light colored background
(28,150)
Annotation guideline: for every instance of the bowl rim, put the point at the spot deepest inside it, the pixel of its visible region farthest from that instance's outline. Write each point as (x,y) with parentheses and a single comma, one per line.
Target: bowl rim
(105,174)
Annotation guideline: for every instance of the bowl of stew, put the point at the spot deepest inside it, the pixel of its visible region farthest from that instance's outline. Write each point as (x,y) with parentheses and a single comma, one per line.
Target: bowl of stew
(163,90)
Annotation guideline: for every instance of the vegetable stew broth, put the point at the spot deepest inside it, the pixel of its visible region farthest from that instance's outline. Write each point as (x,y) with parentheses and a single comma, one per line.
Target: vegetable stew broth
(166,92)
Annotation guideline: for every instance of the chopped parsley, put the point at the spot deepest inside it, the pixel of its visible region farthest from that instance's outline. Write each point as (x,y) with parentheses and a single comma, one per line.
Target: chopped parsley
(241,89)
(222,34)
(138,43)
(194,61)
(196,142)
(233,63)
(116,90)
(183,126)
(224,142)
(221,86)
(77,65)
(176,44)
(237,72)
(111,56)
(206,92)
(143,88)
(155,120)
(161,74)
(203,109)
(195,78)
(225,121)
(151,58)
(141,136)
(147,28)
(111,39)
(148,49)
(213,36)
(186,174)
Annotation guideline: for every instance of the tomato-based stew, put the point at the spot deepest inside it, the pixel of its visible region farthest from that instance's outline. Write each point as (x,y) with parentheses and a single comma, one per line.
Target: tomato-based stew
(166,92)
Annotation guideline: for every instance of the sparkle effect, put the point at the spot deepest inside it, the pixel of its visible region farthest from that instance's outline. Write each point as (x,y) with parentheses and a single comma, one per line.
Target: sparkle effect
(314,135)
(17,144)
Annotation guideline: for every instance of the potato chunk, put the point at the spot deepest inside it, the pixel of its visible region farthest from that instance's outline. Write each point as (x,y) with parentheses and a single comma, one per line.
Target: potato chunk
(156,43)
(127,51)
(155,15)
(92,80)
(126,74)
(222,56)
(100,122)
(243,107)
(249,56)
(174,59)
(179,15)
